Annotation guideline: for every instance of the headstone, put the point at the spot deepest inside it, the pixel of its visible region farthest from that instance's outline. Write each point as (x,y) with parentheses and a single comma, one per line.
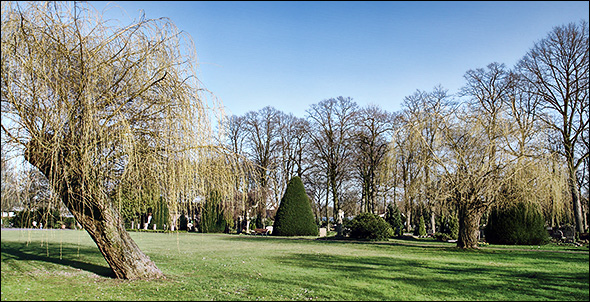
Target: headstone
(323,232)
(154,226)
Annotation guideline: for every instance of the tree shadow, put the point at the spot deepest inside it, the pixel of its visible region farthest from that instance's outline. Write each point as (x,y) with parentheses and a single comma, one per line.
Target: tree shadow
(438,279)
(35,251)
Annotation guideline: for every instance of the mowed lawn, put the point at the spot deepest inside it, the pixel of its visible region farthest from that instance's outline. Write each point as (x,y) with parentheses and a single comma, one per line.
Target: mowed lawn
(66,265)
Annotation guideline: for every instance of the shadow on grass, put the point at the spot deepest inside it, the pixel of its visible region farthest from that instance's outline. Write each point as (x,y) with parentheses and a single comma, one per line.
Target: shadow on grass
(324,240)
(34,251)
(456,274)
(440,279)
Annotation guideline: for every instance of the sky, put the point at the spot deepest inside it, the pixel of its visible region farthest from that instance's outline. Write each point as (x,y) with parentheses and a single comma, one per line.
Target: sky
(290,55)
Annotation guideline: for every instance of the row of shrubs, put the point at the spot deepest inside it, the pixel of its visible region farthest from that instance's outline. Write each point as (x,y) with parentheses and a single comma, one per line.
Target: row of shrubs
(520,224)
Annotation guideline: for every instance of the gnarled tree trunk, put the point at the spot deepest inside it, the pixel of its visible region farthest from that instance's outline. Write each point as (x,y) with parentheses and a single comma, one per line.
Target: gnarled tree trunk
(469,219)
(95,213)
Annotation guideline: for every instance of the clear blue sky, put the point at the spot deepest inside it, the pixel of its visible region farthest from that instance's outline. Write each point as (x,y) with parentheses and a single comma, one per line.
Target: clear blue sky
(293,54)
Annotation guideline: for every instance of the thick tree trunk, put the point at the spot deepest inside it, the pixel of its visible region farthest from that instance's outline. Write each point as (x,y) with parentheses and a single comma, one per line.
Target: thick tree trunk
(576,202)
(98,217)
(468,227)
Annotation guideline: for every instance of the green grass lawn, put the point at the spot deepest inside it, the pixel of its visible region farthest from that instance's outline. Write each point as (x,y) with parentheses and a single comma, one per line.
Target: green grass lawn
(66,265)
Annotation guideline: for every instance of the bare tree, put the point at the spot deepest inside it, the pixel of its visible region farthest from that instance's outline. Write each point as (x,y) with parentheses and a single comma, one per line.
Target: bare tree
(93,106)
(372,139)
(425,111)
(235,141)
(472,181)
(332,123)
(294,143)
(403,162)
(263,136)
(524,140)
(557,70)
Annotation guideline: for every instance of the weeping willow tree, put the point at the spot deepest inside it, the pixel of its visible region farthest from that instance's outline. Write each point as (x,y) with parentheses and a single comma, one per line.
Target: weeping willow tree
(98,108)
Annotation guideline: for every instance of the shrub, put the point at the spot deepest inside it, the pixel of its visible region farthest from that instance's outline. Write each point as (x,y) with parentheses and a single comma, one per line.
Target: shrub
(395,219)
(212,215)
(369,226)
(294,216)
(519,224)
(70,222)
(453,223)
(443,236)
(448,227)
(421,229)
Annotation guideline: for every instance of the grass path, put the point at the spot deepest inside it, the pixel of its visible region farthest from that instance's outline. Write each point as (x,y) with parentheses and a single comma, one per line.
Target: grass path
(66,265)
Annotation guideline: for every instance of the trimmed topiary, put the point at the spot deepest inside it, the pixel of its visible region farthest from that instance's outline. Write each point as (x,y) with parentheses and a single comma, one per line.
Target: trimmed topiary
(521,224)
(294,216)
(369,226)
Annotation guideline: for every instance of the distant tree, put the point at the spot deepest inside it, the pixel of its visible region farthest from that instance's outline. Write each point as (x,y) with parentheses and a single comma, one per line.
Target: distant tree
(557,69)
(294,216)
(372,141)
(424,112)
(332,122)
(161,214)
(263,136)
(235,142)
(404,161)
(212,218)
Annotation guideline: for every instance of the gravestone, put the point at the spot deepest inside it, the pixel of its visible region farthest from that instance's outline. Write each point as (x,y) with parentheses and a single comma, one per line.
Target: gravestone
(323,232)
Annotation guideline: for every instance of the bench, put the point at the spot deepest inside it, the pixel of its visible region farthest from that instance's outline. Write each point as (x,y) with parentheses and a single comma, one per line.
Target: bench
(263,232)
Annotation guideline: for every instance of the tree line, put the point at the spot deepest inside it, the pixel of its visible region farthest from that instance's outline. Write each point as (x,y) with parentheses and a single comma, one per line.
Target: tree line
(509,134)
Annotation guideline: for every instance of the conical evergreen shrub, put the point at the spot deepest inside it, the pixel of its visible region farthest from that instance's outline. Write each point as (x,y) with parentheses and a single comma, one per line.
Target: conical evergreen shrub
(421,229)
(294,216)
